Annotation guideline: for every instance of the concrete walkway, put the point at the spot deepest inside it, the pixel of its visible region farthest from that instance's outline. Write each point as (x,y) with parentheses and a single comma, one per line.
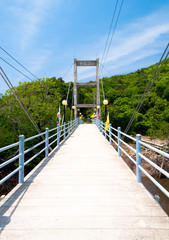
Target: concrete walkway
(84,192)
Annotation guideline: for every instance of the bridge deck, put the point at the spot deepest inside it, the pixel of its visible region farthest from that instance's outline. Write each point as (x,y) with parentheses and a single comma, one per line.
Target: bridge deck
(85,192)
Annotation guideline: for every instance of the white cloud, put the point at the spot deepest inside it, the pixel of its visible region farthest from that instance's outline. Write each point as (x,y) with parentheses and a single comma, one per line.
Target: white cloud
(136,41)
(31,14)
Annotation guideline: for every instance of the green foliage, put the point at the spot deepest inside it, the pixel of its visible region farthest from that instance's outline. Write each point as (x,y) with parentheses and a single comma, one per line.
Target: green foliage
(124,93)
(43,97)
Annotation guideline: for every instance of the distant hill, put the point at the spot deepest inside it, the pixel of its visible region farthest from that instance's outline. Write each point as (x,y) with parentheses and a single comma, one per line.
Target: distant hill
(43,97)
(124,93)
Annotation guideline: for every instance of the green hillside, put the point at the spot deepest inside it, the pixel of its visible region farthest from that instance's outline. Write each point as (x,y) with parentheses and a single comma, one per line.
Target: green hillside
(124,93)
(43,97)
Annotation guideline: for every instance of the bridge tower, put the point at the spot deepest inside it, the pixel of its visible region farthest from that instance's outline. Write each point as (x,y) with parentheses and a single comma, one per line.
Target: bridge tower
(86,63)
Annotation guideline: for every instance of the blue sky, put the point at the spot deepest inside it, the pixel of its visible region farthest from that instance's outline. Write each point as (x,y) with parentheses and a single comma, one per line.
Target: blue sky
(45,36)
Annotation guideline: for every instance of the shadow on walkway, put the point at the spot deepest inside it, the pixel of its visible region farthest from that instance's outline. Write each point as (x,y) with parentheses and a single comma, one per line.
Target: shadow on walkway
(17,194)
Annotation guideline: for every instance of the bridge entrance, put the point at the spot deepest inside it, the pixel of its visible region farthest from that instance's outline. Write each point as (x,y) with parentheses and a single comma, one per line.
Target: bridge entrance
(86,63)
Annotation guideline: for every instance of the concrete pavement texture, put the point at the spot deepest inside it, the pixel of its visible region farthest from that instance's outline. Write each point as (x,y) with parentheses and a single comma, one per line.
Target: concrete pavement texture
(82,191)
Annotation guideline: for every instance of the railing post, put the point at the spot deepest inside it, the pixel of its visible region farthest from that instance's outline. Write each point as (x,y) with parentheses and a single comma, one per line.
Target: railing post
(110,134)
(68,128)
(47,142)
(102,127)
(71,126)
(119,141)
(100,123)
(58,135)
(21,158)
(138,158)
(64,136)
(105,131)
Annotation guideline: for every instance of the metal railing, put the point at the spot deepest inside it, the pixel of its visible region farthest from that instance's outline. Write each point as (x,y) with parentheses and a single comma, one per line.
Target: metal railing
(62,132)
(114,135)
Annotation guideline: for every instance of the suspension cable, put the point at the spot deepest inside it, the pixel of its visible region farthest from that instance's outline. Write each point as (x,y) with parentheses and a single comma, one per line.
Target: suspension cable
(68,92)
(71,106)
(18,62)
(113,32)
(16,69)
(111,24)
(67,71)
(106,70)
(66,99)
(15,93)
(148,87)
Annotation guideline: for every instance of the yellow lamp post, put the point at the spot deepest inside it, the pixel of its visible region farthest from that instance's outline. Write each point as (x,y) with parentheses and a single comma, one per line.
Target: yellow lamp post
(98,111)
(73,107)
(105,102)
(64,102)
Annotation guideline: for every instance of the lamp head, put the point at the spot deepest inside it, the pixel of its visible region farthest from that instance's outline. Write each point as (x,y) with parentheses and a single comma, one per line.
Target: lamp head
(105,102)
(64,102)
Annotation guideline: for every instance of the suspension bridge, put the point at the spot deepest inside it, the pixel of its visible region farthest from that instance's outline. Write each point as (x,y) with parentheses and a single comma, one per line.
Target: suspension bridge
(82,189)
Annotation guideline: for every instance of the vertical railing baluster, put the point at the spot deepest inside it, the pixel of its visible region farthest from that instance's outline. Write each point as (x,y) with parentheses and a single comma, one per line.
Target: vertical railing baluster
(21,158)
(58,135)
(105,131)
(68,128)
(46,142)
(138,158)
(119,141)
(64,136)
(100,125)
(110,134)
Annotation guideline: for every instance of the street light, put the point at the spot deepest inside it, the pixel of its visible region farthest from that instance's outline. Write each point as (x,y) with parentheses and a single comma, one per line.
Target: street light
(98,110)
(105,102)
(78,110)
(64,102)
(73,107)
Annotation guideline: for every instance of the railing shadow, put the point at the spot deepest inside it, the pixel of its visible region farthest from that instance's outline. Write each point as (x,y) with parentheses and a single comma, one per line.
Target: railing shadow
(15,196)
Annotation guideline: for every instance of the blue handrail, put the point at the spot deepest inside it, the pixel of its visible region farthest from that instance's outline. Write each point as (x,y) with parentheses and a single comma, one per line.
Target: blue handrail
(62,131)
(139,156)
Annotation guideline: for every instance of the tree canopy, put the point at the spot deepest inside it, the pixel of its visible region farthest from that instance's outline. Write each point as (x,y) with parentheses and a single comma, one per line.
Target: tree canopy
(44,96)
